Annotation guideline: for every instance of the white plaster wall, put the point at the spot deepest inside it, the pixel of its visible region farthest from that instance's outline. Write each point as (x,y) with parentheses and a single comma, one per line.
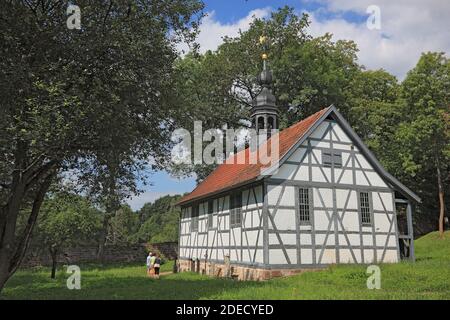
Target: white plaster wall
(285,218)
(320,130)
(276,256)
(220,239)
(306,256)
(340,142)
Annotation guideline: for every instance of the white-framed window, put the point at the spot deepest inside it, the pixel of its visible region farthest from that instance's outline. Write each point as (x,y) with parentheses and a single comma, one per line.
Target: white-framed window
(235,209)
(364,209)
(304,206)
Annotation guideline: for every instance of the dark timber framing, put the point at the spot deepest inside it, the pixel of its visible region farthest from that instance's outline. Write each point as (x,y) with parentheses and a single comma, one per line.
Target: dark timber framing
(335,238)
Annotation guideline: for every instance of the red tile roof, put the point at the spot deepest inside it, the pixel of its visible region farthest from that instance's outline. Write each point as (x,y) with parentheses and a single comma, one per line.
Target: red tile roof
(227,175)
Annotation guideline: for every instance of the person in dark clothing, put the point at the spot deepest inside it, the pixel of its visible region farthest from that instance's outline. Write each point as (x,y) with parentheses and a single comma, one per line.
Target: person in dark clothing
(157,266)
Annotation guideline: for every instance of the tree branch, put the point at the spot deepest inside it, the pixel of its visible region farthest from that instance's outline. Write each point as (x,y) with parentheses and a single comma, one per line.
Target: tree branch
(38,174)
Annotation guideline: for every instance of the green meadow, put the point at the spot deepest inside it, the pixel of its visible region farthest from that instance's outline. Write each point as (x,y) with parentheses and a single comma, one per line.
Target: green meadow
(427,278)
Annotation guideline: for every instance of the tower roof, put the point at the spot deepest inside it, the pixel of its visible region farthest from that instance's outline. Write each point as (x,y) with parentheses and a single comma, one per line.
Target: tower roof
(265,101)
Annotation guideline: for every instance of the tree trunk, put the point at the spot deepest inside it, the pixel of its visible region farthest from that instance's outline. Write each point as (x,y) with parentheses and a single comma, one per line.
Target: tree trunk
(103,235)
(9,215)
(8,218)
(441,200)
(3,278)
(54,255)
(12,252)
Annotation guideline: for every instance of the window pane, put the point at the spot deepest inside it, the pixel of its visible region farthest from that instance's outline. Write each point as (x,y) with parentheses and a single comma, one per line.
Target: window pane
(210,213)
(303,203)
(235,211)
(210,207)
(365,208)
(194,220)
(236,200)
(238,203)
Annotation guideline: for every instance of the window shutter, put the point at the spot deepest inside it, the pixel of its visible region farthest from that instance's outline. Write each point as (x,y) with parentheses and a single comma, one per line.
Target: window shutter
(326,158)
(337,159)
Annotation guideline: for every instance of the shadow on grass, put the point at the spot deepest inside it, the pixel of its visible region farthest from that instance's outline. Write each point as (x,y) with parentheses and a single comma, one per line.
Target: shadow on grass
(182,286)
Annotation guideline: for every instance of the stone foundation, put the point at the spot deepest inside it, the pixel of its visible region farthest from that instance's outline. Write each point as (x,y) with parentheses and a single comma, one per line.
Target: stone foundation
(238,272)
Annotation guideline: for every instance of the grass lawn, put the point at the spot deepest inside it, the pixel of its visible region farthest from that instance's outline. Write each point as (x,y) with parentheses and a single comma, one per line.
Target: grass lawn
(428,278)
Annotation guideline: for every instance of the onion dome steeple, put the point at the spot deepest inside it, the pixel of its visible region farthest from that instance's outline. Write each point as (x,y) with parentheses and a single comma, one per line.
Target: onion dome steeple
(264,112)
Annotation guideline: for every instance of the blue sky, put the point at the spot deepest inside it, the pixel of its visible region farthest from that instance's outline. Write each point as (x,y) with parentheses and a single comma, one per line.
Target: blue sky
(233,10)
(408,28)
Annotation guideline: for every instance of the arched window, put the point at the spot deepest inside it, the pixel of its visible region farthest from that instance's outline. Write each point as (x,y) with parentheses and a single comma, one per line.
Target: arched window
(260,123)
(271,123)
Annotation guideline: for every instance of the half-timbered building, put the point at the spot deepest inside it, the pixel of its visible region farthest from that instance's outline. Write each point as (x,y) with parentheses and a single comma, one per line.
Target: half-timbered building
(328,201)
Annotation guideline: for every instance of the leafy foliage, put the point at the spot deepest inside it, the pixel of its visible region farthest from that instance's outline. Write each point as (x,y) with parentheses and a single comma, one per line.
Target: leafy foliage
(160,220)
(123,225)
(93,102)
(67,220)
(218,87)
(405,124)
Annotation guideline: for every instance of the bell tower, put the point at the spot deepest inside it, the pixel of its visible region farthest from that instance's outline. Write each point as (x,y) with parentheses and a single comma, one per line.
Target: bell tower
(264,112)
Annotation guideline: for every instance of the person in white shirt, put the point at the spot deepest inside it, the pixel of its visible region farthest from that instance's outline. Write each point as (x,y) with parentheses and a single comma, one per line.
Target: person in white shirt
(148,263)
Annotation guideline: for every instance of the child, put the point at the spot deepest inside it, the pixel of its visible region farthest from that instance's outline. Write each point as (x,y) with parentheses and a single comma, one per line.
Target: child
(157,265)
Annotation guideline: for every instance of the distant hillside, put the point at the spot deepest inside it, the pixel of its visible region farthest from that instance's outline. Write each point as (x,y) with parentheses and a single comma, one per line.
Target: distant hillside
(159,220)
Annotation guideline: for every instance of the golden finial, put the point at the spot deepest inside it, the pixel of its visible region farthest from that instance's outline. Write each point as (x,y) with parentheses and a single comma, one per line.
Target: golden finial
(263,42)
(262,39)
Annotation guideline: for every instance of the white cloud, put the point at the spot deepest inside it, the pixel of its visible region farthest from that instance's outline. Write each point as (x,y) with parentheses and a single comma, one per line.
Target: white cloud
(408,28)
(213,31)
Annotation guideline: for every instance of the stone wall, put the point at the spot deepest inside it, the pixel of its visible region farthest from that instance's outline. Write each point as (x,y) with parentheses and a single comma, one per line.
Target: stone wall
(37,256)
(86,254)
(168,249)
(238,272)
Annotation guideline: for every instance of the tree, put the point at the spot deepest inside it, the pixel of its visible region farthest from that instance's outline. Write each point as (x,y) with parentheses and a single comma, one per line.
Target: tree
(123,226)
(375,113)
(160,220)
(66,220)
(309,74)
(372,99)
(423,138)
(70,98)
(108,189)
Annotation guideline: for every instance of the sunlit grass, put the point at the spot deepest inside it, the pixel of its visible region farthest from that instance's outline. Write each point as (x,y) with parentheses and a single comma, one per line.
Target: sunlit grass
(428,278)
